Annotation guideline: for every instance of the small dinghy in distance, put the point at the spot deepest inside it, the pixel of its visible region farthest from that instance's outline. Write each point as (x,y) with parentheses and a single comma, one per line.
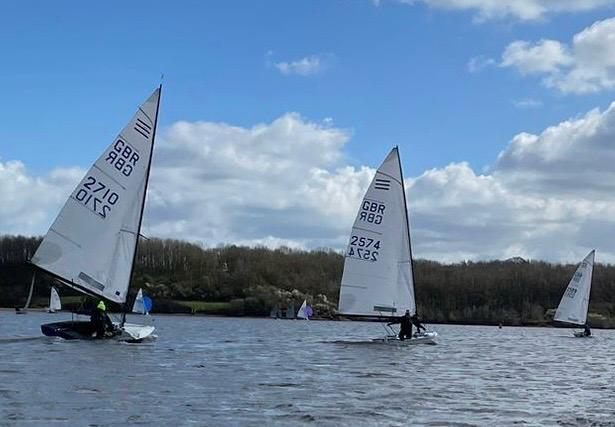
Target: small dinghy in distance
(92,244)
(143,304)
(378,278)
(24,309)
(305,311)
(574,305)
(55,304)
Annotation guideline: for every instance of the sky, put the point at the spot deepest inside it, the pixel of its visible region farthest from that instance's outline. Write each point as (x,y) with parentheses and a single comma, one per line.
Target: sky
(276,114)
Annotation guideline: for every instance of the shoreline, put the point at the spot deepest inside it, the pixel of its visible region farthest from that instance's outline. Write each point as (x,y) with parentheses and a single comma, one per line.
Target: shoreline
(467,323)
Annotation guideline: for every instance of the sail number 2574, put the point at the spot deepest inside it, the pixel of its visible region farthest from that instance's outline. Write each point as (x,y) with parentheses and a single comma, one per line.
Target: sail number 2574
(96,196)
(363,248)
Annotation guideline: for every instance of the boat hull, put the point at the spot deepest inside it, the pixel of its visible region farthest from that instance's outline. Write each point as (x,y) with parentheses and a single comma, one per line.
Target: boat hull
(428,338)
(582,335)
(83,330)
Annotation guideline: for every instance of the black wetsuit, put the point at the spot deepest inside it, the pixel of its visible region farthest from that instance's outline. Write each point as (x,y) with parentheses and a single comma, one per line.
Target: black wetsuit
(587,332)
(101,323)
(417,322)
(405,323)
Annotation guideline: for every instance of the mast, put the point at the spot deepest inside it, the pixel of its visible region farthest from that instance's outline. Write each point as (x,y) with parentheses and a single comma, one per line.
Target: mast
(401,174)
(149,167)
(591,282)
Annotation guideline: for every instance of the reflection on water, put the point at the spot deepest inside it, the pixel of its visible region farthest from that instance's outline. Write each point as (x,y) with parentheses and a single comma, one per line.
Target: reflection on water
(225,371)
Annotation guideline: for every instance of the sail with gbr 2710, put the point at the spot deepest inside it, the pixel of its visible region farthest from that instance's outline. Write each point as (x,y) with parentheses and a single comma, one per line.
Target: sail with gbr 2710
(91,246)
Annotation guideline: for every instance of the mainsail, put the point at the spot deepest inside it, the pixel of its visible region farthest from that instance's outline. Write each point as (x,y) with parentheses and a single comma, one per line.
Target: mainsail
(378,278)
(575,301)
(54,301)
(92,243)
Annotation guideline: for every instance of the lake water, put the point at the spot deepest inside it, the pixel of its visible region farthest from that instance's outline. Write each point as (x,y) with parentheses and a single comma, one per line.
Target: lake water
(231,371)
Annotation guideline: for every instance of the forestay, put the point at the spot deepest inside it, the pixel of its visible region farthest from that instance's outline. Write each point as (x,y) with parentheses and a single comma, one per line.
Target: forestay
(575,301)
(91,244)
(377,278)
(54,300)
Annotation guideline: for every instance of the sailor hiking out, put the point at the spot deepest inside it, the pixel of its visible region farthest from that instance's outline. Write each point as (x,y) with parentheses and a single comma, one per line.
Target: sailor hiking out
(405,325)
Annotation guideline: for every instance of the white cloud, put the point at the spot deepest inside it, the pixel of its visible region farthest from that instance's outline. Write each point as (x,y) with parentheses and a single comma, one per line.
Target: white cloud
(527,103)
(288,182)
(523,10)
(306,66)
(586,65)
(284,180)
(479,63)
(28,203)
(546,56)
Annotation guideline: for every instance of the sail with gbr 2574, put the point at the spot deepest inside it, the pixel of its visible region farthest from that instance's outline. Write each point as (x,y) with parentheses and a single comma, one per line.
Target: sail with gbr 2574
(378,280)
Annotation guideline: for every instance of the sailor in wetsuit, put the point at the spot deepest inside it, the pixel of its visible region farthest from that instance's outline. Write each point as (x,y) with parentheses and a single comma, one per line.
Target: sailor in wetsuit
(586,331)
(101,322)
(405,325)
(417,322)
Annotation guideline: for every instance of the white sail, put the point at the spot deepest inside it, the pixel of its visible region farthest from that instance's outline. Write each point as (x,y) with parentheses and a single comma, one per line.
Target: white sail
(301,314)
(29,300)
(377,279)
(91,244)
(575,301)
(139,305)
(54,301)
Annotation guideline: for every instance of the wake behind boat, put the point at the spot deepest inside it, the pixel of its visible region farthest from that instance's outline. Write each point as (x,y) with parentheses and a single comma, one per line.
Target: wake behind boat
(92,244)
(378,278)
(574,304)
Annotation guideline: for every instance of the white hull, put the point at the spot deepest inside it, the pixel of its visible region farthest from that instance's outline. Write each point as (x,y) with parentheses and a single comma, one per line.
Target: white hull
(428,338)
(136,333)
(582,335)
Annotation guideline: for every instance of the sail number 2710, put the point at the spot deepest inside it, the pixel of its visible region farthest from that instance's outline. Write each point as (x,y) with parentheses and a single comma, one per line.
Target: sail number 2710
(96,196)
(363,248)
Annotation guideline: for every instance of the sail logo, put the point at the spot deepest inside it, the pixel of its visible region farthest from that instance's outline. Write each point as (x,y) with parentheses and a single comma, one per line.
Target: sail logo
(382,184)
(122,157)
(143,128)
(372,211)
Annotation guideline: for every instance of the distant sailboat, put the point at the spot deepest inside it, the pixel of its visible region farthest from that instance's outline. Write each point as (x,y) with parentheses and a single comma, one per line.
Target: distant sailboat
(305,311)
(142,304)
(54,301)
(92,244)
(24,309)
(574,305)
(378,278)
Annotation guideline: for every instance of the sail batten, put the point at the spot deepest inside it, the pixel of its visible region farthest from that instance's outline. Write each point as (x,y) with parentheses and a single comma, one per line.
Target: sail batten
(86,245)
(378,279)
(574,304)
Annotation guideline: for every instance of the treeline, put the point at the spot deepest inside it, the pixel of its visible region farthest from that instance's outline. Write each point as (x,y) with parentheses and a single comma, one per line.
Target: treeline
(254,280)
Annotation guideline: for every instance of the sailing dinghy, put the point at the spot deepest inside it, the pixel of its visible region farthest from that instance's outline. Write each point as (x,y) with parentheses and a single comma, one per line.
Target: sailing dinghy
(24,309)
(378,278)
(574,305)
(142,304)
(305,311)
(92,244)
(54,301)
